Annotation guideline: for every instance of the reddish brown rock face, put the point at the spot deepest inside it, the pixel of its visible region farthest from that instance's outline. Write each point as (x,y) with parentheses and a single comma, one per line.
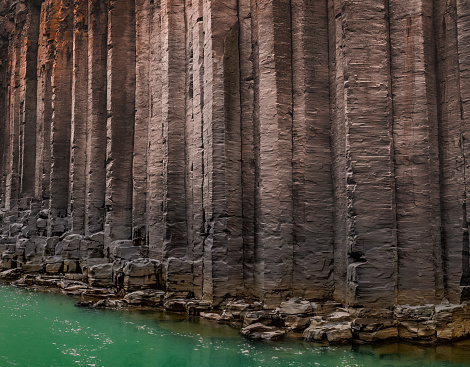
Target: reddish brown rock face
(254,148)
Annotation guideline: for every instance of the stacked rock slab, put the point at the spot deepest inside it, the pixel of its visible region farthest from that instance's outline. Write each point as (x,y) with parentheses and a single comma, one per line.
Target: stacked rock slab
(257,149)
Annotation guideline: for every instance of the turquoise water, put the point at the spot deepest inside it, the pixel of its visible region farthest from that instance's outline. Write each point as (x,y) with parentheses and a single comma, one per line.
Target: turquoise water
(38,329)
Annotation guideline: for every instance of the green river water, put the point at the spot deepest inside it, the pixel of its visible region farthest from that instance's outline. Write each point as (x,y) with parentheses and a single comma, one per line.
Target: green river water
(41,329)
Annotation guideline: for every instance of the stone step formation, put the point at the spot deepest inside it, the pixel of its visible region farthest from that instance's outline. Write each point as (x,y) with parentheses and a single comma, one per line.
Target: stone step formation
(257,149)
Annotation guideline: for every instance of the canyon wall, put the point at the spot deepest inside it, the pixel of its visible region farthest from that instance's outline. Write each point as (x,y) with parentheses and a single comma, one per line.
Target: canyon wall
(262,149)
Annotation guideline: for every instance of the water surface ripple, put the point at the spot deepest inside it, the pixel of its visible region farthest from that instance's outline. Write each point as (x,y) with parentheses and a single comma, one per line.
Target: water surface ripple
(40,329)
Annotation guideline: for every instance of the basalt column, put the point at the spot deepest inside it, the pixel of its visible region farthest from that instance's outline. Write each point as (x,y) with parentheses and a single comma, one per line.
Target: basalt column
(20,157)
(463,39)
(247,95)
(370,213)
(275,222)
(312,190)
(195,145)
(188,125)
(61,118)
(337,116)
(12,162)
(155,186)
(223,246)
(4,41)
(142,118)
(96,116)
(79,117)
(453,147)
(46,54)
(120,123)
(253,266)
(415,129)
(175,251)
(28,102)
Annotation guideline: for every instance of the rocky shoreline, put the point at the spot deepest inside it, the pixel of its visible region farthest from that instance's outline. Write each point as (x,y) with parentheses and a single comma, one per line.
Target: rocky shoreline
(122,274)
(322,322)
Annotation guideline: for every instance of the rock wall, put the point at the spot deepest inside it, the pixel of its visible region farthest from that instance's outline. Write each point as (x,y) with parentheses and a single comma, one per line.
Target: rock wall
(261,149)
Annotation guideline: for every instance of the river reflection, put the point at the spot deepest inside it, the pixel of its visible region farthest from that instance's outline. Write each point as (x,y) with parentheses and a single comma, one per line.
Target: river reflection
(38,329)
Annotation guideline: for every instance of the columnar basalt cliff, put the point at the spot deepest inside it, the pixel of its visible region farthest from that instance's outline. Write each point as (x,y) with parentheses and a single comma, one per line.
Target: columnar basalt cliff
(265,150)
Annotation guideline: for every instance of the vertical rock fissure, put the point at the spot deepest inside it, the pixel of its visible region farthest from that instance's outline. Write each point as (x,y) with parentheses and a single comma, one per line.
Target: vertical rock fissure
(339,160)
(463,52)
(142,117)
(187,204)
(4,42)
(242,162)
(292,156)
(440,72)
(392,152)
(438,251)
(246,55)
(189,137)
(198,148)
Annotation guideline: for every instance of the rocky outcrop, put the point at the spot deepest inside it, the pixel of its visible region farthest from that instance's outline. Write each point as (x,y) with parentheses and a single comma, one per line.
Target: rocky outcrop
(255,149)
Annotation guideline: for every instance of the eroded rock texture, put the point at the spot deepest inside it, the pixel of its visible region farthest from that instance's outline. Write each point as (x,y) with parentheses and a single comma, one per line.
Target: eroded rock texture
(260,149)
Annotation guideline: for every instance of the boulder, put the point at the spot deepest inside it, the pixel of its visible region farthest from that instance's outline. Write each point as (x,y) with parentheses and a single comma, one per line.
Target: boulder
(211,316)
(15,228)
(41,224)
(51,244)
(296,306)
(58,226)
(259,331)
(339,316)
(297,323)
(178,275)
(54,264)
(370,329)
(240,308)
(196,307)
(123,250)
(415,313)
(71,266)
(147,297)
(8,260)
(31,267)
(323,330)
(101,275)
(176,305)
(90,248)
(417,329)
(265,317)
(108,303)
(10,274)
(71,246)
